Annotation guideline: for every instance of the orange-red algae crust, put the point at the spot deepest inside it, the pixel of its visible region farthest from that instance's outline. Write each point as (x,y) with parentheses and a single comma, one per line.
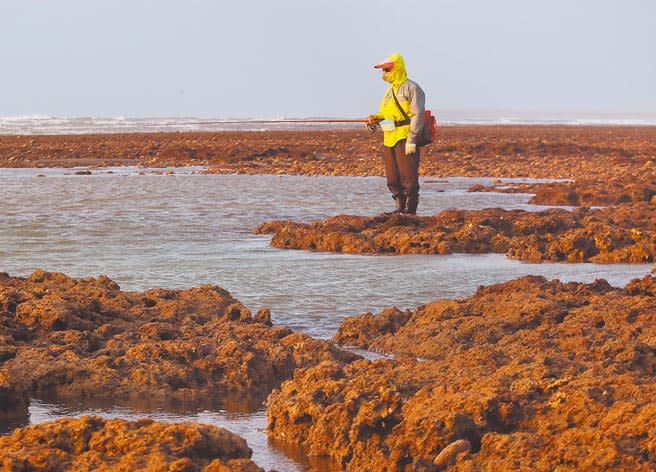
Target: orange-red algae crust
(626,233)
(79,338)
(93,443)
(574,152)
(525,375)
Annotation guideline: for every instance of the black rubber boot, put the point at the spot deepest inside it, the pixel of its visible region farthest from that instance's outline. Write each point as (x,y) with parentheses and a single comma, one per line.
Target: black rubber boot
(411,205)
(400,206)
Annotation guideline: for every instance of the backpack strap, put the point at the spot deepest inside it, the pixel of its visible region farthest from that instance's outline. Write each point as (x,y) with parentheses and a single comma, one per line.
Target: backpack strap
(406,121)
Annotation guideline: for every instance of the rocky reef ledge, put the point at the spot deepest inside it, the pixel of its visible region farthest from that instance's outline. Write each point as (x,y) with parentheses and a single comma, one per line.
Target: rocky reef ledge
(632,188)
(73,338)
(92,443)
(525,375)
(572,152)
(625,233)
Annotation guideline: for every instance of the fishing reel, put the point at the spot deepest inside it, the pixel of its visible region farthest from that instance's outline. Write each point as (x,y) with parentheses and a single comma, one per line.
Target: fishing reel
(372,127)
(372,123)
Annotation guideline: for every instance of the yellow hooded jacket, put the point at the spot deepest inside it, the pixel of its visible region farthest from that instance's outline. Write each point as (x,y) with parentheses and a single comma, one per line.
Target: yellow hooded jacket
(412,100)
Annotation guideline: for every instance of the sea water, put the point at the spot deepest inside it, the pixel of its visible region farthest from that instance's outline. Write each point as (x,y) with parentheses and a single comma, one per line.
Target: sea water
(44,124)
(177,228)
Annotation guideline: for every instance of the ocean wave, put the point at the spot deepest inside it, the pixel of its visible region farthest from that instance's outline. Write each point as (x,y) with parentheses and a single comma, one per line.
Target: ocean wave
(546,122)
(19,118)
(44,124)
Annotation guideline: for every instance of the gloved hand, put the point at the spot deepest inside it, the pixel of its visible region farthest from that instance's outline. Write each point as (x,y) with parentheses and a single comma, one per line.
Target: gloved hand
(410,148)
(372,123)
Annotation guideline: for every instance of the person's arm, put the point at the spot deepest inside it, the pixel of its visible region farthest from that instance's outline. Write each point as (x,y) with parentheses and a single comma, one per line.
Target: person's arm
(374,118)
(417,108)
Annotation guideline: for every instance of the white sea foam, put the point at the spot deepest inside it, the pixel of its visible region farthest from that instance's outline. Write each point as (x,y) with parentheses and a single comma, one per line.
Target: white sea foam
(45,124)
(22,118)
(543,122)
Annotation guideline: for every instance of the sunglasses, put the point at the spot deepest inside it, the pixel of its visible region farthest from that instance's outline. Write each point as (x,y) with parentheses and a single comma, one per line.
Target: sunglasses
(389,69)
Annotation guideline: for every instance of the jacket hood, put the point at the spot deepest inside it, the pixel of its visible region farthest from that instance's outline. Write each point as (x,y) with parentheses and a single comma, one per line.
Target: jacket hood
(398,74)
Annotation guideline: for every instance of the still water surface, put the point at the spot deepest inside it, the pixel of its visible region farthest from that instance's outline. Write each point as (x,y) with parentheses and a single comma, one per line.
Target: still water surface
(150,228)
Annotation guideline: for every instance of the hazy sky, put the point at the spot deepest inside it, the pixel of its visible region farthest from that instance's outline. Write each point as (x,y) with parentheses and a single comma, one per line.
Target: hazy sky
(266,58)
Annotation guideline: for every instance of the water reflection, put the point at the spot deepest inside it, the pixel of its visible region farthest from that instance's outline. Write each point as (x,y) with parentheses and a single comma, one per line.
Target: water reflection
(249,424)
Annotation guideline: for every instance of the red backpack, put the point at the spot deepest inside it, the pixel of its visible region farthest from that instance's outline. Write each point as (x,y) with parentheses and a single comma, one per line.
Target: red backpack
(428,131)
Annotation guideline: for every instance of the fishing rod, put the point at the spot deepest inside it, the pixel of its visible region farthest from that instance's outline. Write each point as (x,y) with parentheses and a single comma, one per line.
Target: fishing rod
(277,121)
(370,125)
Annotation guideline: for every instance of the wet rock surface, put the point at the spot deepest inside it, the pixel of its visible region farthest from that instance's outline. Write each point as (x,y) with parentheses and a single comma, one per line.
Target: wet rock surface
(14,402)
(626,233)
(627,174)
(93,443)
(585,192)
(73,338)
(495,151)
(526,375)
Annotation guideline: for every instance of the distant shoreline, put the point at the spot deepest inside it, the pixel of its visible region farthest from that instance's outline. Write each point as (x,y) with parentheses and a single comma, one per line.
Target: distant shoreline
(42,125)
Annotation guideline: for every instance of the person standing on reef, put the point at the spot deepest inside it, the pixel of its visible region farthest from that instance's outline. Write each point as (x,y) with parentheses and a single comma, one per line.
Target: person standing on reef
(400,151)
